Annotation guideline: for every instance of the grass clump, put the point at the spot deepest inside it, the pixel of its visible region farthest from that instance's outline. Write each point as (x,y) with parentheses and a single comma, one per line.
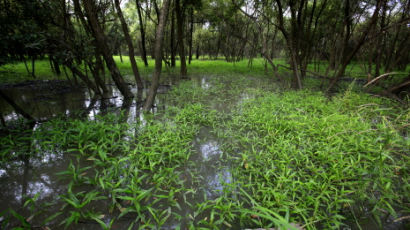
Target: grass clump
(316,160)
(122,171)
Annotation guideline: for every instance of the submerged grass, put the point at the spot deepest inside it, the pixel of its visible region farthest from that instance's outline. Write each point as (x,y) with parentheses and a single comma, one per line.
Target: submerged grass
(296,158)
(313,159)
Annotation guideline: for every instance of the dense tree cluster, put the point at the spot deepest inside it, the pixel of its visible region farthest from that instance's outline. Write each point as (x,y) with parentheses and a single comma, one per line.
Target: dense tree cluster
(81,36)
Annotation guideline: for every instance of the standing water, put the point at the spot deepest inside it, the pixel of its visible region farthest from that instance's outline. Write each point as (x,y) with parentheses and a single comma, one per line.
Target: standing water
(35,186)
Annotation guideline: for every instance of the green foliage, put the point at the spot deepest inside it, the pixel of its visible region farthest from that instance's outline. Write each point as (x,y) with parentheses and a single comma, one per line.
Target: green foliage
(314,158)
(296,158)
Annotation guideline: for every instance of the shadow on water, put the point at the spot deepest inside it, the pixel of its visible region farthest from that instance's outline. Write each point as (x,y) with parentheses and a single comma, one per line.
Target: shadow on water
(30,181)
(30,175)
(44,100)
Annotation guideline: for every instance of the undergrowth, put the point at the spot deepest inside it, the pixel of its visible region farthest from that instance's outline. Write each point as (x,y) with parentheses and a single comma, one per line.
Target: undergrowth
(313,159)
(297,159)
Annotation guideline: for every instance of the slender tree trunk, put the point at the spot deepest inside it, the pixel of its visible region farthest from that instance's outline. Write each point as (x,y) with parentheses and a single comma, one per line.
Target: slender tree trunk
(3,122)
(16,107)
(296,80)
(104,49)
(158,56)
(180,36)
(100,64)
(84,78)
(95,70)
(290,44)
(68,78)
(25,64)
(172,39)
(218,46)
(380,46)
(33,66)
(119,52)
(56,66)
(191,31)
(50,62)
(348,56)
(130,45)
(142,31)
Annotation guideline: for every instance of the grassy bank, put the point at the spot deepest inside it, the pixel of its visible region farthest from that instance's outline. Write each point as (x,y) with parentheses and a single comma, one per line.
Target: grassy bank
(16,72)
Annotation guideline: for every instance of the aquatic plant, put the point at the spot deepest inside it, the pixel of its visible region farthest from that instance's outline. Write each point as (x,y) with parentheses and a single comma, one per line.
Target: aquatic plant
(313,159)
(295,159)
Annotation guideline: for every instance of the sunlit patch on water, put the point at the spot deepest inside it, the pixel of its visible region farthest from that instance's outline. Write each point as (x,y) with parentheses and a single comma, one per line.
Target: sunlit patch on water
(205,84)
(210,149)
(2,172)
(216,182)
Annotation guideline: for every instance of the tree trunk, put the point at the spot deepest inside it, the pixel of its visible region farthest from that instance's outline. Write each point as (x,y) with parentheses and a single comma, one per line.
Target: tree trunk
(95,70)
(56,66)
(119,52)
(104,49)
(380,46)
(158,56)
(50,62)
(347,57)
(296,83)
(33,66)
(25,64)
(142,31)
(84,78)
(180,36)
(16,107)
(191,31)
(289,38)
(172,39)
(130,46)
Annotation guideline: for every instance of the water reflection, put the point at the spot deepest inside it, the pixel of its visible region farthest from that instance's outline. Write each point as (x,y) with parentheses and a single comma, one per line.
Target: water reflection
(31,173)
(204,83)
(217,182)
(214,174)
(44,100)
(209,149)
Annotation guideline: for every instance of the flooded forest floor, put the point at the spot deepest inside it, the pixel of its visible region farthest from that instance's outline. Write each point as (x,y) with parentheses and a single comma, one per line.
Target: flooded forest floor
(218,152)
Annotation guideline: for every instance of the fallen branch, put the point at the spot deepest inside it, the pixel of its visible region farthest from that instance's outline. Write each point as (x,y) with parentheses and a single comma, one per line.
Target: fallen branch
(307,71)
(401,218)
(379,77)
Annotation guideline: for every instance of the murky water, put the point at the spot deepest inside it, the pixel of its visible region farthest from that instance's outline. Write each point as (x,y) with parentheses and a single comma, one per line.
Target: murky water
(44,100)
(30,176)
(36,175)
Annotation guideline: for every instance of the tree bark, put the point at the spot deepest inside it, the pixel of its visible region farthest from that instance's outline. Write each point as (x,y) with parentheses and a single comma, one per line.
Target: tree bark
(289,38)
(56,66)
(158,56)
(191,31)
(347,57)
(84,78)
(104,49)
(180,36)
(33,66)
(142,31)
(130,45)
(172,39)
(16,107)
